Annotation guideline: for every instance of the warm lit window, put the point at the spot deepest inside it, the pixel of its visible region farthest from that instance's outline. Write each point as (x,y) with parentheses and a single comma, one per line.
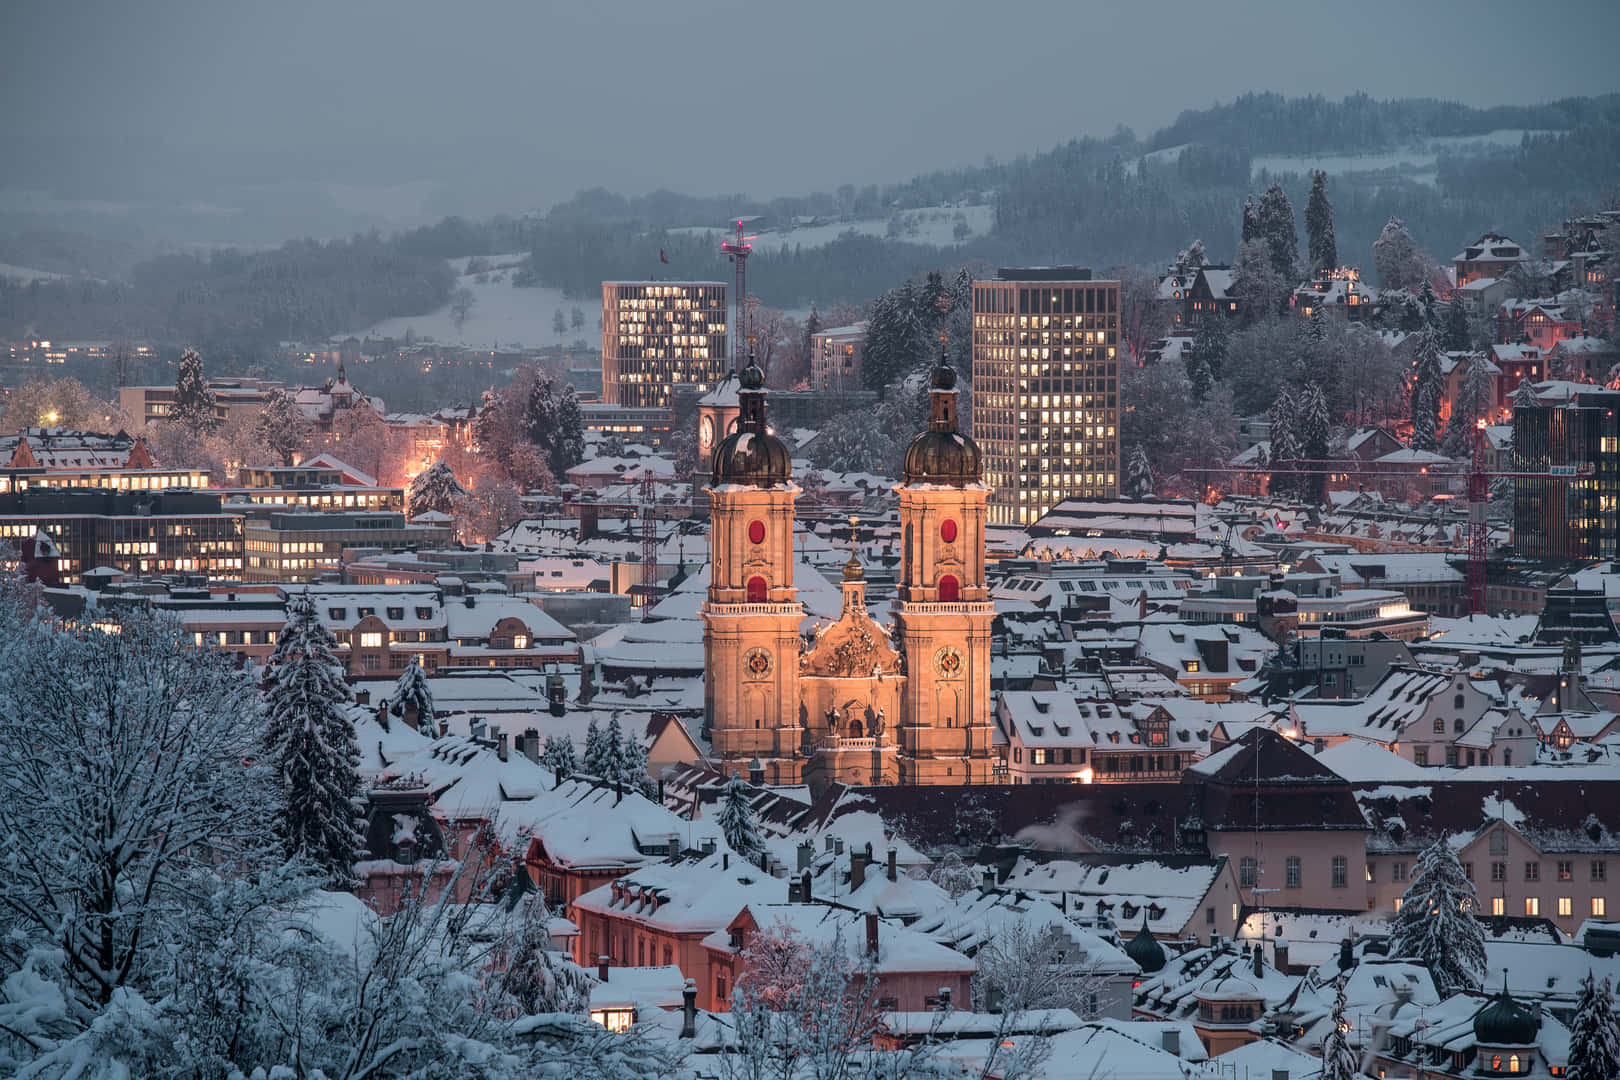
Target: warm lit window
(1498,906)
(1532,905)
(1566,906)
(371,639)
(1599,906)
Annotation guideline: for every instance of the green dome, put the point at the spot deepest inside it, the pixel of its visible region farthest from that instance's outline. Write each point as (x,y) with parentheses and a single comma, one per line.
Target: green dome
(1504,1022)
(1145,949)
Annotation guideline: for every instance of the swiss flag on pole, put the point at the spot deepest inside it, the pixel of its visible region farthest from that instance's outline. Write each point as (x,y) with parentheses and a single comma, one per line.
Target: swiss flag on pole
(662,257)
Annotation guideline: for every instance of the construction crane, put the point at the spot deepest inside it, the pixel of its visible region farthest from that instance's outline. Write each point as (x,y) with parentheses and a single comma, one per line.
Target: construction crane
(646,511)
(1477,546)
(738,251)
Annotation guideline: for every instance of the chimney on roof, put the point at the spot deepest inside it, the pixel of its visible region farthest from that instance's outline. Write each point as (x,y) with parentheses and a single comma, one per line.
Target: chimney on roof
(725,860)
(892,874)
(1279,954)
(1170,1040)
(944,999)
(988,879)
(872,934)
(804,887)
(708,846)
(857,870)
(795,893)
(531,745)
(689,1009)
(838,845)
(602,963)
(807,853)
(444,727)
(500,744)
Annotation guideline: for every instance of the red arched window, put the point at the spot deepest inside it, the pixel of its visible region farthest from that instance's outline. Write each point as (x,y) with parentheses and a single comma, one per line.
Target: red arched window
(756,532)
(947,530)
(756,590)
(950,590)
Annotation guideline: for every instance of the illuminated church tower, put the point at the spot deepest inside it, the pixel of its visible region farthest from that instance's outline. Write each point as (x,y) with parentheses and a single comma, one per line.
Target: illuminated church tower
(943,611)
(751,618)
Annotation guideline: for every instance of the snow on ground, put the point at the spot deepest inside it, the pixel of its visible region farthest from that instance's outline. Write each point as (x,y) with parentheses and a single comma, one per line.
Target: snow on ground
(24,275)
(501,315)
(1419,160)
(932,225)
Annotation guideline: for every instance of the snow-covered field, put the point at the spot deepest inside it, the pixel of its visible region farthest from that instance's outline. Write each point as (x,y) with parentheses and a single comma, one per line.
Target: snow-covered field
(931,225)
(501,315)
(1420,161)
(25,275)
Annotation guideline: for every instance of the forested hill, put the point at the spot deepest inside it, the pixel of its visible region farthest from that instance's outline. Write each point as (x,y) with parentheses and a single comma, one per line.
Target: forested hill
(1272,123)
(1448,170)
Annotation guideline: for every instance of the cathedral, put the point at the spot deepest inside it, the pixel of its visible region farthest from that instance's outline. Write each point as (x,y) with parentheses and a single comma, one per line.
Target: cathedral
(863,702)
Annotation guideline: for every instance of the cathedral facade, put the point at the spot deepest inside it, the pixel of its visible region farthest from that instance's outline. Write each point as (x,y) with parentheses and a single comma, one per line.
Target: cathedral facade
(861,702)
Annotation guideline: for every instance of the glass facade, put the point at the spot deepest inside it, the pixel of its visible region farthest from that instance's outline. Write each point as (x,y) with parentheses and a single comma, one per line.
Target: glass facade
(1046,392)
(656,335)
(1567,516)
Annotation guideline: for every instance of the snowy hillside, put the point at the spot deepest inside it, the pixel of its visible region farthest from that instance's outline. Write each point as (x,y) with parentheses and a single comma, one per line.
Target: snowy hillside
(24,275)
(501,315)
(935,226)
(1418,161)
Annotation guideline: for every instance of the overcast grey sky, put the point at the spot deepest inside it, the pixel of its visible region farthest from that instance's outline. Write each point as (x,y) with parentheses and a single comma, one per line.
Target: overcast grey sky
(726,96)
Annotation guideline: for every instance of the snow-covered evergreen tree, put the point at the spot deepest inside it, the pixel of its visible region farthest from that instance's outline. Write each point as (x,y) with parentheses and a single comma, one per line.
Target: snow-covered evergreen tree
(193,407)
(1454,336)
(1285,450)
(1311,430)
(1251,220)
(1594,1034)
(736,820)
(1428,384)
(412,690)
(633,766)
(1276,220)
(1524,395)
(1396,258)
(1138,474)
(1475,398)
(309,738)
(599,754)
(1339,1061)
(1261,292)
(1436,924)
(613,763)
(1322,245)
(558,757)
(435,489)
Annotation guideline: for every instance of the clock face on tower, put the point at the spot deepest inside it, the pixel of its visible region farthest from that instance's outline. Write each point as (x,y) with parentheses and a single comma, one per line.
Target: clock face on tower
(706,433)
(948,663)
(757,663)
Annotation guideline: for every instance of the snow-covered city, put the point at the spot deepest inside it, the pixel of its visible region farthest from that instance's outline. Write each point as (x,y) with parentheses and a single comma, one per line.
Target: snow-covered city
(1139,607)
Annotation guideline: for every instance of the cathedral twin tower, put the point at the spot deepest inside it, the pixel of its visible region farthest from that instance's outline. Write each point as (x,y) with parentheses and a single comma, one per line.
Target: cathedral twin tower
(865,703)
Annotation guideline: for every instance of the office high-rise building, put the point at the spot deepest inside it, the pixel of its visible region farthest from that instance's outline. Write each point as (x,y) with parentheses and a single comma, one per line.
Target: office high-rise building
(657,335)
(1569,504)
(1046,356)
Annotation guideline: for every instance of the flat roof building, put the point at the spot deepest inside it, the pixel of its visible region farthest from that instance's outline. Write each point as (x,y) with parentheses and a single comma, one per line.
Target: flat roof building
(138,532)
(658,335)
(1046,388)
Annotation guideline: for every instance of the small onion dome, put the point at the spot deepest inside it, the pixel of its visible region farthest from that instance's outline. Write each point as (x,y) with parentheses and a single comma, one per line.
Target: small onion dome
(751,454)
(942,454)
(1504,1022)
(1145,949)
(853,570)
